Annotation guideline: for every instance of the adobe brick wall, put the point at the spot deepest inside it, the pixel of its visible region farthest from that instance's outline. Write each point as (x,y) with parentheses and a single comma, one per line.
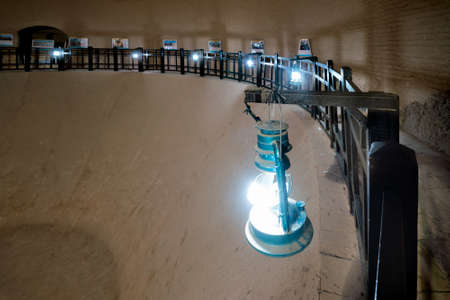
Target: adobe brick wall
(400,47)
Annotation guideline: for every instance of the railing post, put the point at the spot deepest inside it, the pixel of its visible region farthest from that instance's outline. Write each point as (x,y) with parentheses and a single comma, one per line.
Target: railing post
(215,63)
(115,59)
(61,60)
(383,125)
(277,74)
(207,63)
(392,221)
(258,70)
(333,124)
(239,66)
(182,61)
(97,58)
(90,59)
(122,59)
(329,75)
(147,58)
(346,74)
(81,54)
(51,62)
(221,64)
(69,62)
(314,108)
(202,62)
(329,108)
(245,59)
(27,66)
(315,72)
(333,109)
(167,63)
(140,59)
(17,59)
(161,62)
(226,68)
(281,71)
(37,54)
(348,165)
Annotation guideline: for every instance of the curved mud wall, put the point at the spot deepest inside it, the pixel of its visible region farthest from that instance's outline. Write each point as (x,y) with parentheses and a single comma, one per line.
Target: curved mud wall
(393,46)
(430,121)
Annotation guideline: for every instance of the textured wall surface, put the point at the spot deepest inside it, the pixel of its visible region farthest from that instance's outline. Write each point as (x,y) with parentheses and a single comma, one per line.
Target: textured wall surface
(430,121)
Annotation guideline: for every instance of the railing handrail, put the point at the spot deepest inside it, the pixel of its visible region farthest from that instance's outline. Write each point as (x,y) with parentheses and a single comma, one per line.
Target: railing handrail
(152,51)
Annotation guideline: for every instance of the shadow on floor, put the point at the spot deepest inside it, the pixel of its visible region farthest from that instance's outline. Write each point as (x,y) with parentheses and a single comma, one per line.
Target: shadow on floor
(334,172)
(54,262)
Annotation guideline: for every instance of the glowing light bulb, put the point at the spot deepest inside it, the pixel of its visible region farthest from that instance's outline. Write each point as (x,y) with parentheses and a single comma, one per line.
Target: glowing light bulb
(263,190)
(57,53)
(195,57)
(250,63)
(296,76)
(135,55)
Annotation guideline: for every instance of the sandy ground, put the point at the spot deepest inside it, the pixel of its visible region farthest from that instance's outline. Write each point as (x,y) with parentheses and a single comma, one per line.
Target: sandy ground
(132,186)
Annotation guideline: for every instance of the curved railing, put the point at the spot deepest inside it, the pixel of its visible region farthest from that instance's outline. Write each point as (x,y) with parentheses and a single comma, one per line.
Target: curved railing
(381,174)
(252,68)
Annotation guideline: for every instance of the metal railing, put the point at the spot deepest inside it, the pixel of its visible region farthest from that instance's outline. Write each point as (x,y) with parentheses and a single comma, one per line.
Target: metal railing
(381,174)
(363,128)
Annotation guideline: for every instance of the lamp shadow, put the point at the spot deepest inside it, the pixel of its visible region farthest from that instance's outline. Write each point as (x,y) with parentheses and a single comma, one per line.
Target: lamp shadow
(44,261)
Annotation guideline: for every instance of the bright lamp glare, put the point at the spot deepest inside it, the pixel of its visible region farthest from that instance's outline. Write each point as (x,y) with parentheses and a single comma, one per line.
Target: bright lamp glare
(250,63)
(195,57)
(295,76)
(57,53)
(135,55)
(263,190)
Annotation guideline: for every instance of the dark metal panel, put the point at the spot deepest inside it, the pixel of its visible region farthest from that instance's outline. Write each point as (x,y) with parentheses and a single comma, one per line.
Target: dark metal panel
(392,226)
(371,100)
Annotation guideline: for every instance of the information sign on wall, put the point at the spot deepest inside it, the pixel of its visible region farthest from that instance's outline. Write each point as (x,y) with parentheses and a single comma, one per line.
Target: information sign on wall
(169,44)
(43,44)
(257,47)
(6,39)
(76,42)
(120,43)
(215,45)
(304,48)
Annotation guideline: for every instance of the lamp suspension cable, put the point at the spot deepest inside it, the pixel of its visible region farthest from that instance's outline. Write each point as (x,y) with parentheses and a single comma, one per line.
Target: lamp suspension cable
(281,119)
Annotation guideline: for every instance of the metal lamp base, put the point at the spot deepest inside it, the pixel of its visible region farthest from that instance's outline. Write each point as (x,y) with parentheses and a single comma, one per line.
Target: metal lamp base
(281,248)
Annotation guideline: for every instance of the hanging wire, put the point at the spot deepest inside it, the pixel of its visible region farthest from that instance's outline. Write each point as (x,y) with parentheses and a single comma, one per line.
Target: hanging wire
(277,98)
(281,118)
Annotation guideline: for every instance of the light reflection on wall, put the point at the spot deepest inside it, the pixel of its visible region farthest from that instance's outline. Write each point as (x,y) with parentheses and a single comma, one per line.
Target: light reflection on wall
(354,48)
